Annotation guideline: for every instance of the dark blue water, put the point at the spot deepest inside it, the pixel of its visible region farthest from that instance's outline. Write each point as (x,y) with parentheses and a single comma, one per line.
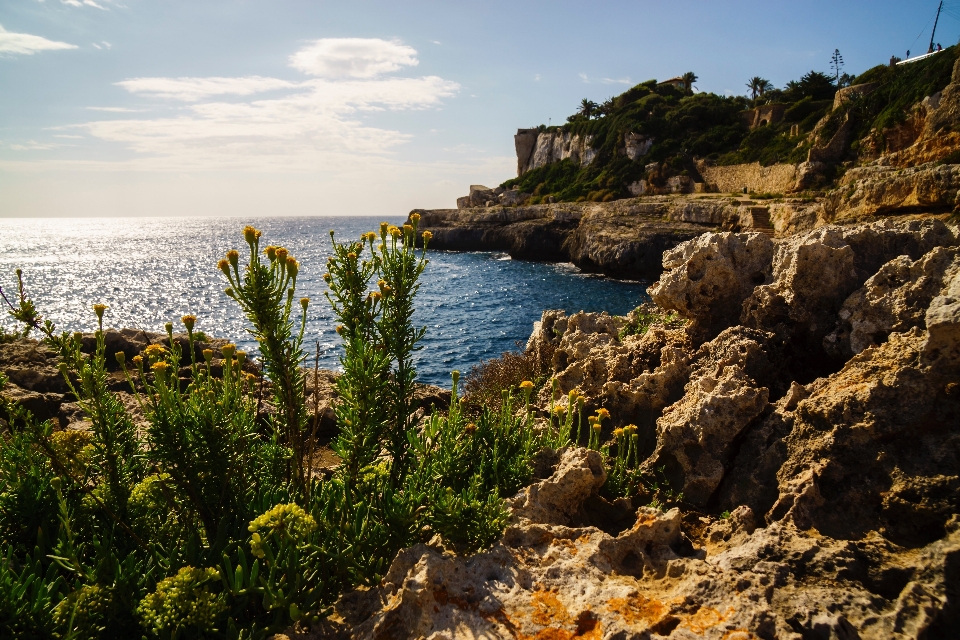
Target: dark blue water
(150,271)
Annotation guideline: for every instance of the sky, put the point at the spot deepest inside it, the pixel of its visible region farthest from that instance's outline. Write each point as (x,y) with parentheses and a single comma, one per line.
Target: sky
(302,108)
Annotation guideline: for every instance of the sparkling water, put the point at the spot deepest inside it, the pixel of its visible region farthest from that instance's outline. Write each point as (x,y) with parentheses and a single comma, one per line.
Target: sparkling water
(153,270)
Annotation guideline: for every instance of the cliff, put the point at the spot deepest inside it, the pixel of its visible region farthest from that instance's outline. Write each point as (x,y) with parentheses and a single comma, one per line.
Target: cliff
(806,411)
(621,239)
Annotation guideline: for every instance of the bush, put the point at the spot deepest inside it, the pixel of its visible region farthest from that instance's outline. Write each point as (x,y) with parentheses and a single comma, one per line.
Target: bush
(212,523)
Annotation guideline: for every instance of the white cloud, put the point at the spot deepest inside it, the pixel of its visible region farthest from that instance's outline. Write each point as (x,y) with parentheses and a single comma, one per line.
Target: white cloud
(435,41)
(32,145)
(311,128)
(536,78)
(83,3)
(587,80)
(115,109)
(193,89)
(28,44)
(353,57)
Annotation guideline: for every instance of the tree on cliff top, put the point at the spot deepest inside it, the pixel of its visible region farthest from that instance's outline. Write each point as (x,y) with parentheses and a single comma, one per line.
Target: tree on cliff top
(758,86)
(587,108)
(688,79)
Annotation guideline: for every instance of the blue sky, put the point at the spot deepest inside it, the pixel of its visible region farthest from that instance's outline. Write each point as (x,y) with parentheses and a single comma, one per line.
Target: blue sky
(290,107)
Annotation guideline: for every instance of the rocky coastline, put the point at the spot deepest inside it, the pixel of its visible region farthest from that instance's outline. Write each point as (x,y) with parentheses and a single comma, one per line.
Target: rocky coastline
(808,411)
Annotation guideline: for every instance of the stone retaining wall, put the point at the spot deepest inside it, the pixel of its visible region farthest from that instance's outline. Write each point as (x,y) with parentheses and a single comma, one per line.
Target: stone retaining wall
(778,178)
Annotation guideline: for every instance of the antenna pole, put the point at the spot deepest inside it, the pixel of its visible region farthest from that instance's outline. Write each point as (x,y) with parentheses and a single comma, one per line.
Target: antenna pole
(934,32)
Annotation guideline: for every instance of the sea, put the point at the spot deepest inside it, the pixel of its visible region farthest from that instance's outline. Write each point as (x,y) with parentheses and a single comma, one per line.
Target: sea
(149,271)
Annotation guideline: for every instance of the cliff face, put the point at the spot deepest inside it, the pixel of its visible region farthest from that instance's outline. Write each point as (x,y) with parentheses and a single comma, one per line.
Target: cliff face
(621,239)
(809,412)
(537,148)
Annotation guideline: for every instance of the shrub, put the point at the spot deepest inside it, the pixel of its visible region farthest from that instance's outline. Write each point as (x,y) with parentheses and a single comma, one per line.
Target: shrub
(102,532)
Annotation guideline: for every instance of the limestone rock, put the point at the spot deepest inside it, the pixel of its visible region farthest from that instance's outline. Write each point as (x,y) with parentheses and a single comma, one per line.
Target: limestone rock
(943,325)
(894,299)
(556,500)
(814,273)
(873,190)
(707,279)
(695,435)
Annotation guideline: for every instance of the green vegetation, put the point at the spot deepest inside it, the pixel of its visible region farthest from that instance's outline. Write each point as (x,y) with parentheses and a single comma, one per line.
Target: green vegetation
(210,520)
(684,126)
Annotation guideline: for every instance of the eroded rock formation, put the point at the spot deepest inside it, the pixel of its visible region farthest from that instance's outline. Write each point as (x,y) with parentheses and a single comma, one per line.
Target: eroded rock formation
(809,412)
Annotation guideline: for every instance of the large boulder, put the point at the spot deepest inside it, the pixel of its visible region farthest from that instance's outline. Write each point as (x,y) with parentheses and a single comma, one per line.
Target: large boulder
(707,279)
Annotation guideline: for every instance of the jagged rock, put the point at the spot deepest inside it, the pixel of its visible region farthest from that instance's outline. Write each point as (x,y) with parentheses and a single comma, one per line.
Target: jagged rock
(894,299)
(875,447)
(814,273)
(695,435)
(544,580)
(943,325)
(580,474)
(873,190)
(707,279)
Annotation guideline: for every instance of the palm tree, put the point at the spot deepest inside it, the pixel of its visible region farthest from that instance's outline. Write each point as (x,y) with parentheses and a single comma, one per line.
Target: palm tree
(758,86)
(688,79)
(588,107)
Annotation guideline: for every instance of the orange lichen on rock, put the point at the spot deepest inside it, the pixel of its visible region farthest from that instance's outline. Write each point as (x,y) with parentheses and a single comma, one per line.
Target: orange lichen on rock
(547,609)
(636,609)
(705,618)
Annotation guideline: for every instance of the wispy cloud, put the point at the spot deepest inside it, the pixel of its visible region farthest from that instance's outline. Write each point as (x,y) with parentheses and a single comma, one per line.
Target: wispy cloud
(83,3)
(588,80)
(353,57)
(27,44)
(32,145)
(192,89)
(103,44)
(116,109)
(310,126)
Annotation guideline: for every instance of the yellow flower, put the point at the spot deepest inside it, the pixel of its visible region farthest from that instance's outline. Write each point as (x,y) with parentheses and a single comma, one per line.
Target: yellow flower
(120,357)
(293,267)
(182,601)
(351,256)
(229,292)
(208,354)
(381,247)
(228,350)
(470,429)
(630,428)
(339,329)
(99,309)
(286,520)
(137,360)
(155,351)
(426,236)
(250,234)
(617,432)
(304,302)
(597,427)
(559,409)
(241,357)
(224,266)
(395,232)
(376,295)
(526,386)
(271,252)
(282,254)
(592,420)
(233,256)
(189,321)
(408,228)
(160,369)
(415,217)
(327,278)
(384,227)
(603,414)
